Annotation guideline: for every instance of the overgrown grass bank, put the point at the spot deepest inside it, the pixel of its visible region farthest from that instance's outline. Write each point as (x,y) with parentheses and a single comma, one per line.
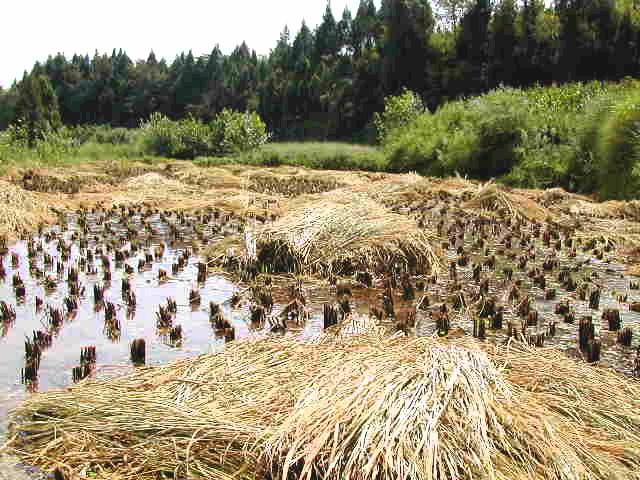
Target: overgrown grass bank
(583,137)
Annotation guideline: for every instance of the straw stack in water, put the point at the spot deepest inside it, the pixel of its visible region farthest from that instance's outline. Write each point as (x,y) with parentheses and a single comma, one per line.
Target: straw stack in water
(20,210)
(341,233)
(491,197)
(363,406)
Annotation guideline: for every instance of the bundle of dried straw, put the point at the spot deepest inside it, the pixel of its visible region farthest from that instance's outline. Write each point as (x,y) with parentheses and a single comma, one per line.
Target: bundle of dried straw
(342,233)
(363,406)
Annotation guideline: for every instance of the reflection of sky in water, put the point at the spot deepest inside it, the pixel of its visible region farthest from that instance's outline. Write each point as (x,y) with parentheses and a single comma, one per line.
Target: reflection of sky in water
(87,326)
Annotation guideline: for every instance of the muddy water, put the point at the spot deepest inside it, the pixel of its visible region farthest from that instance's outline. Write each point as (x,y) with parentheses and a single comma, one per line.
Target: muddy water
(606,274)
(179,234)
(86,326)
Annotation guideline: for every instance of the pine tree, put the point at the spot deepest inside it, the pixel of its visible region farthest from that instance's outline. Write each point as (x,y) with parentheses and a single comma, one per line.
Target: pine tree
(8,100)
(408,25)
(503,41)
(37,107)
(345,31)
(626,47)
(365,26)
(327,37)
(472,48)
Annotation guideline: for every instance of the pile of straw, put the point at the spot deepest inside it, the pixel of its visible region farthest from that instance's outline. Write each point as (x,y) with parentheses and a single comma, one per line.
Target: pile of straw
(627,210)
(159,190)
(363,406)
(56,181)
(339,233)
(490,197)
(20,210)
(154,181)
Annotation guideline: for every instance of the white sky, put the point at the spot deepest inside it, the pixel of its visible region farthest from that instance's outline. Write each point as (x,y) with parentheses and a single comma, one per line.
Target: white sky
(33,29)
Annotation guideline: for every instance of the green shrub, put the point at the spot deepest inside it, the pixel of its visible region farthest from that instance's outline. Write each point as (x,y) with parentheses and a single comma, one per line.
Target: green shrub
(578,136)
(229,133)
(183,139)
(617,150)
(236,132)
(399,111)
(583,166)
(606,155)
(542,167)
(479,137)
(104,135)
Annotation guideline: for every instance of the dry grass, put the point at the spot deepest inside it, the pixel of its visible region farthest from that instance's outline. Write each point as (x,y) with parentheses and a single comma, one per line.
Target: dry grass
(20,210)
(344,232)
(268,193)
(625,210)
(167,192)
(491,198)
(364,406)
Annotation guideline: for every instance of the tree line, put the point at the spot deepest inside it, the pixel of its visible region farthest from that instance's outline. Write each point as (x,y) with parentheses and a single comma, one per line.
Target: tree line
(328,82)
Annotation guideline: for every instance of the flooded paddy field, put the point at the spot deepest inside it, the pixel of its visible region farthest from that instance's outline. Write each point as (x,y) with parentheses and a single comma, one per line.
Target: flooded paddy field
(80,294)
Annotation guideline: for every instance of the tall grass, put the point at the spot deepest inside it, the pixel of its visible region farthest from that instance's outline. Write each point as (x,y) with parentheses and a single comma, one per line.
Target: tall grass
(319,155)
(619,149)
(71,147)
(478,137)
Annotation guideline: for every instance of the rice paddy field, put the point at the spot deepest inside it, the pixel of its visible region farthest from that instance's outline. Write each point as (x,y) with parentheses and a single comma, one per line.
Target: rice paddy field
(173,321)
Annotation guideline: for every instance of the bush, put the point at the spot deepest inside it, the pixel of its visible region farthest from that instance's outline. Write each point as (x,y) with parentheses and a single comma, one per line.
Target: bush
(183,139)
(617,150)
(230,132)
(606,156)
(236,132)
(479,137)
(583,166)
(578,136)
(399,111)
(104,135)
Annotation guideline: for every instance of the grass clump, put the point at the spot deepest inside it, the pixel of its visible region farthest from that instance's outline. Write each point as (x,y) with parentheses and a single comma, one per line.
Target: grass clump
(617,147)
(478,137)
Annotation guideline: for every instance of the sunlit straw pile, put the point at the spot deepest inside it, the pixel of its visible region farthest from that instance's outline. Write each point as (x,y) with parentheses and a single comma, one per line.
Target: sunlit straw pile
(60,181)
(357,407)
(491,197)
(342,233)
(20,210)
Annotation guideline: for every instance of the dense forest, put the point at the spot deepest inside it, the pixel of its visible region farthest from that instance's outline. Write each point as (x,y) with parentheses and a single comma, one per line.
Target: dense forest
(328,82)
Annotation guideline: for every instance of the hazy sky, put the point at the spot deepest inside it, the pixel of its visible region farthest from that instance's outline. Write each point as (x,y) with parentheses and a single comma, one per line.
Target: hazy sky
(33,29)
